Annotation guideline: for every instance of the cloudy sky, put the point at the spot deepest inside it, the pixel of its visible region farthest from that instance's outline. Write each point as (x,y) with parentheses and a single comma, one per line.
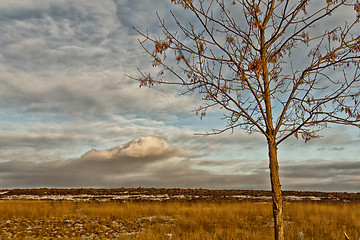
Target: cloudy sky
(70,116)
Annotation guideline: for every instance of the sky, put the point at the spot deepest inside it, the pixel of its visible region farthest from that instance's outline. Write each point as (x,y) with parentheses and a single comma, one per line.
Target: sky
(71,117)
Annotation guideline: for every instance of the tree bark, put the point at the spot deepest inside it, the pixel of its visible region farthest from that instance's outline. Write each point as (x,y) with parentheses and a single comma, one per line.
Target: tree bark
(276,191)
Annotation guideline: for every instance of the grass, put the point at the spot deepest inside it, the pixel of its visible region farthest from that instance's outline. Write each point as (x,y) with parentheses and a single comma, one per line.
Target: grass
(174,220)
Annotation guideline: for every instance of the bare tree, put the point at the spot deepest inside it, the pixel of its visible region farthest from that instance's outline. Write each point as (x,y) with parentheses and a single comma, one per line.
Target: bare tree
(276,67)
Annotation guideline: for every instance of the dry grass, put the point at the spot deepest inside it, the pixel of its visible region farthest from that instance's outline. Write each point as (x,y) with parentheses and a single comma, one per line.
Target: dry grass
(173,220)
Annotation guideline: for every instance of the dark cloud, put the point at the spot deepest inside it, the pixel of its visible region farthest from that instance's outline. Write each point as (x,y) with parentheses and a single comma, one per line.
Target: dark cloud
(16,140)
(322,176)
(183,175)
(214,163)
(149,162)
(153,162)
(92,168)
(237,143)
(330,149)
(337,149)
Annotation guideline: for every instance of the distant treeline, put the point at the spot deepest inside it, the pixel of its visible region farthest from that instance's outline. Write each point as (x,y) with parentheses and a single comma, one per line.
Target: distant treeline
(199,194)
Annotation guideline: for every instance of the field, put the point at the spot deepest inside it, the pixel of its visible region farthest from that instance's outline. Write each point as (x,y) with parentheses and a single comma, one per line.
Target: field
(178,218)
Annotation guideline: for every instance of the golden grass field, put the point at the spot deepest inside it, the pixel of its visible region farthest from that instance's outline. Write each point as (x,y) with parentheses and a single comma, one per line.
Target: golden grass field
(24,219)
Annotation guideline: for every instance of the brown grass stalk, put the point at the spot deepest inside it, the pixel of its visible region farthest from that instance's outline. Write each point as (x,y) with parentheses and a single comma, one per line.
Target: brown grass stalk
(174,220)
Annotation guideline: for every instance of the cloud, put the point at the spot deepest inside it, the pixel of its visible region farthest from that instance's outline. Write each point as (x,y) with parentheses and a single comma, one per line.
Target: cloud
(322,176)
(56,34)
(70,59)
(183,175)
(92,168)
(152,162)
(147,147)
(64,90)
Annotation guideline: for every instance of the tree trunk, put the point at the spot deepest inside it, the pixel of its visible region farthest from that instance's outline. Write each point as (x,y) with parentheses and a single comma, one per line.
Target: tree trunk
(276,191)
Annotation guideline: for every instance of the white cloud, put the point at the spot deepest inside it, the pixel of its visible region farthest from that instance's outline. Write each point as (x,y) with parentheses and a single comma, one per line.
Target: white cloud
(146,147)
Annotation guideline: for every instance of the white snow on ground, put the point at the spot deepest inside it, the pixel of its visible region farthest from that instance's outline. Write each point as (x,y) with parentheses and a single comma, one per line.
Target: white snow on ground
(298,198)
(128,197)
(246,197)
